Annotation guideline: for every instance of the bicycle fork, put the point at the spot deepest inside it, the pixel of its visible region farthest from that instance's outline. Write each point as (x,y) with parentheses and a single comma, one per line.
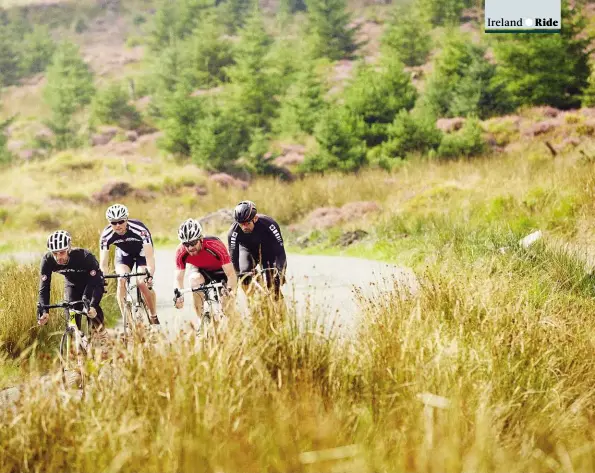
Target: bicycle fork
(80,340)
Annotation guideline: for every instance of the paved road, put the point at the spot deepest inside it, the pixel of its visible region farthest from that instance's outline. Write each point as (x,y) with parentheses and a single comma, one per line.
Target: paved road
(324,283)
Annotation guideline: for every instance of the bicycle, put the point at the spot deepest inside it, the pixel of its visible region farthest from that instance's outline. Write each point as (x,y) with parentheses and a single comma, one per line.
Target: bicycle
(258,280)
(135,311)
(75,343)
(212,305)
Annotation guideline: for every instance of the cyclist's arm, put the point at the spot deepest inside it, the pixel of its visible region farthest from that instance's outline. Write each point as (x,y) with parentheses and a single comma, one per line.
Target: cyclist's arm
(95,279)
(150,256)
(104,260)
(179,279)
(277,247)
(45,282)
(234,248)
(232,278)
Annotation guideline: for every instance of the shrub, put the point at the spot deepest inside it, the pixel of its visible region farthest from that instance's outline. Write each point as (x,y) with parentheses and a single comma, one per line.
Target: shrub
(408,36)
(69,87)
(411,132)
(466,142)
(377,97)
(463,82)
(547,69)
(341,147)
(111,106)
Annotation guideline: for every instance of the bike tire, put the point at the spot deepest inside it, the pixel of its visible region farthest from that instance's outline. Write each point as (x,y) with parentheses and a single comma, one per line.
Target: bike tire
(69,360)
(86,325)
(142,307)
(128,321)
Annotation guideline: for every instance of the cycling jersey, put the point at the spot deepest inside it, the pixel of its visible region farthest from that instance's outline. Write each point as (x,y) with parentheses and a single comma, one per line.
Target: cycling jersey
(212,256)
(81,273)
(264,245)
(131,243)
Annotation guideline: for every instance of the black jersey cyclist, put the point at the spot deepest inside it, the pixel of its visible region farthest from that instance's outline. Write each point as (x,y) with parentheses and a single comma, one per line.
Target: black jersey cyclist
(82,275)
(256,239)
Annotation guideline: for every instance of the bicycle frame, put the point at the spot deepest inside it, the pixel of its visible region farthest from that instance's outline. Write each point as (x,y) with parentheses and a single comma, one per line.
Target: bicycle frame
(71,330)
(134,299)
(256,276)
(212,293)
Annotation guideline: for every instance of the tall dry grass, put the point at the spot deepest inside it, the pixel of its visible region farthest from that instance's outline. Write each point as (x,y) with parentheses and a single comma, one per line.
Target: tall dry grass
(507,341)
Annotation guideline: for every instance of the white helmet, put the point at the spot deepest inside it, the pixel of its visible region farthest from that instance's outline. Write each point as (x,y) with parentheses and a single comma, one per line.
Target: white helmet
(116,212)
(190,230)
(59,241)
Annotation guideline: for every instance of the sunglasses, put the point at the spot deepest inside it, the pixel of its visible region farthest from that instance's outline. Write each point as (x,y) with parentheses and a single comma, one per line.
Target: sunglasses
(188,244)
(118,222)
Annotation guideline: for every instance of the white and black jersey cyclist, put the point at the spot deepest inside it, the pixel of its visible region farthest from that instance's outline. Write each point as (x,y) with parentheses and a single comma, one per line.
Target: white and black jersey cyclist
(82,276)
(134,247)
(256,239)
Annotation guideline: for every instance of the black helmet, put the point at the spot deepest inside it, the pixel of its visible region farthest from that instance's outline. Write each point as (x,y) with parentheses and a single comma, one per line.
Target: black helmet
(244,211)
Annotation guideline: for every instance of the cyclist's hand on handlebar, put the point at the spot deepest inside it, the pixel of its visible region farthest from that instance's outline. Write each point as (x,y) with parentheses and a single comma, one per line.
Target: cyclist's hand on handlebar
(43,319)
(149,281)
(92,312)
(178,299)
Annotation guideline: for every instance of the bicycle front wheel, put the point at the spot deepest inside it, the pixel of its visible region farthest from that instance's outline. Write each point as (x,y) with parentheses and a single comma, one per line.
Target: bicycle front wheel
(128,321)
(143,312)
(71,361)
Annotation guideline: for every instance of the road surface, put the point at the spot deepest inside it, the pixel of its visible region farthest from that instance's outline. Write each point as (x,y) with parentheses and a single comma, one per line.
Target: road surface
(324,283)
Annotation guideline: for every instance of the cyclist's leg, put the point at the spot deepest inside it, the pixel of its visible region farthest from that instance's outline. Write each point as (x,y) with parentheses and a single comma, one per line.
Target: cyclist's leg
(98,333)
(148,294)
(195,279)
(74,293)
(274,279)
(220,276)
(99,319)
(246,263)
(123,264)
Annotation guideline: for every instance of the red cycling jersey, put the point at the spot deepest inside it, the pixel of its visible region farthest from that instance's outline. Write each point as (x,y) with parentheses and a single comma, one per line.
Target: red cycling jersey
(211,257)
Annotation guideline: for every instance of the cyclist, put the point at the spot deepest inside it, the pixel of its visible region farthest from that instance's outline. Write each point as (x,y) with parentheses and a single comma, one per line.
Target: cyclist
(208,260)
(83,278)
(134,246)
(256,239)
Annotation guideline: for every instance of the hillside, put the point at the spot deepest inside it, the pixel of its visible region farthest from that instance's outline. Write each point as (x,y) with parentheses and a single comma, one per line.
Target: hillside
(160,162)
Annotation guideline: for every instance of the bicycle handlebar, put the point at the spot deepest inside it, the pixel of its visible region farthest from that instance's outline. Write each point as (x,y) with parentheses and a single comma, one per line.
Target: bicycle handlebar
(126,275)
(202,288)
(66,305)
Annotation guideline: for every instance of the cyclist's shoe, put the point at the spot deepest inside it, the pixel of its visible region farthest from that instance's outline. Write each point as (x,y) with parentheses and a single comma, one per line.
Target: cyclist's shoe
(154,320)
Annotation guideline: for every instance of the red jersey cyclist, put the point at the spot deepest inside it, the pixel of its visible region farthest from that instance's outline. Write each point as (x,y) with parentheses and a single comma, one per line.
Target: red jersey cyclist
(206,258)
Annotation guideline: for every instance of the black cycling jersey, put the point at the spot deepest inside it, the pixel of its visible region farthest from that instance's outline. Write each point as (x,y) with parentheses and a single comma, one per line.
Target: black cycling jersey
(264,244)
(82,271)
(131,243)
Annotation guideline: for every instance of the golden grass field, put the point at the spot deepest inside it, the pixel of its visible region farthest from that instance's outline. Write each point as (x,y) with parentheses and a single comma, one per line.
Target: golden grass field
(505,334)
